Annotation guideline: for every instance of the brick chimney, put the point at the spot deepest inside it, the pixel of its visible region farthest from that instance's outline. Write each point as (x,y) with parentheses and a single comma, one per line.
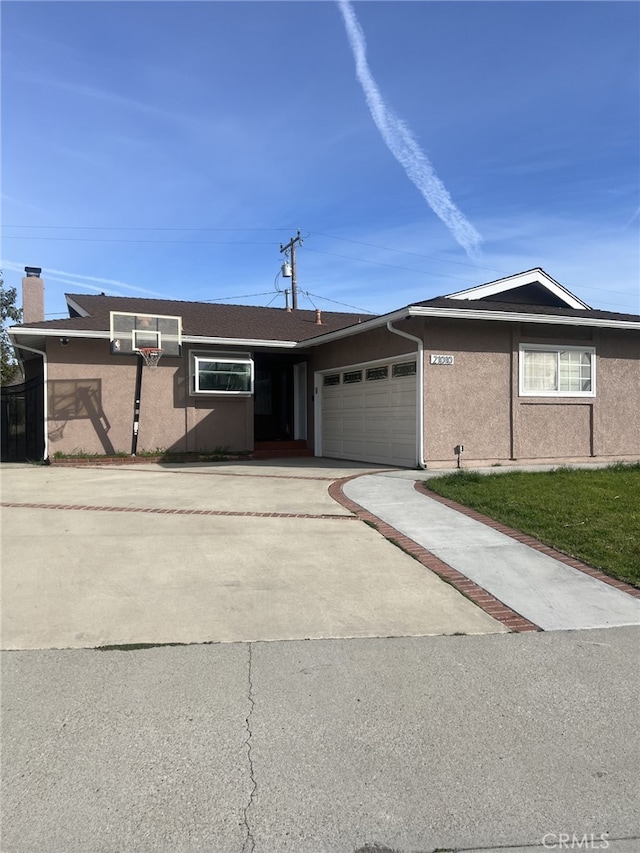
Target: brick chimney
(32,296)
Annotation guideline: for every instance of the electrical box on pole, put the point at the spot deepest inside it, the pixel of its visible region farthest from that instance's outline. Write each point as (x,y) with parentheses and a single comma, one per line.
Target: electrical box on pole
(291,245)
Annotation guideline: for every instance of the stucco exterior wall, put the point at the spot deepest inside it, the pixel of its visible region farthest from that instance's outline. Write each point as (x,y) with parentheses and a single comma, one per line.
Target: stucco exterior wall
(91,405)
(476,402)
(616,427)
(467,402)
(554,430)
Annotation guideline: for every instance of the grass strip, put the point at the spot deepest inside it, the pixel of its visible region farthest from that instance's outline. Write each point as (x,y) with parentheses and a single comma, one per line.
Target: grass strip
(590,514)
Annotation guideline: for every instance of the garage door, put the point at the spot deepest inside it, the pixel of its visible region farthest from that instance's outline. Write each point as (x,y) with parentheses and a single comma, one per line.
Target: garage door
(369,413)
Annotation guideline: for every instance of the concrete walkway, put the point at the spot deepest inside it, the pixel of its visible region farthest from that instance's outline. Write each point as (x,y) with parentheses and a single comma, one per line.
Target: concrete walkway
(549,593)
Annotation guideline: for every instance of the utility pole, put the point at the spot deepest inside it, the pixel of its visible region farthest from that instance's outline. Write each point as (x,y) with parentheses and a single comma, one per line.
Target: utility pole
(294,281)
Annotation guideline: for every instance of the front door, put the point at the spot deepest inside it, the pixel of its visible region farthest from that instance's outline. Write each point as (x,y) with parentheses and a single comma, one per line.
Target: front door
(273,398)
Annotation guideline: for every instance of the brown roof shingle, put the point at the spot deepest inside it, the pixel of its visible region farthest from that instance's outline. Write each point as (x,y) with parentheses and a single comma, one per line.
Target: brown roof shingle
(207,319)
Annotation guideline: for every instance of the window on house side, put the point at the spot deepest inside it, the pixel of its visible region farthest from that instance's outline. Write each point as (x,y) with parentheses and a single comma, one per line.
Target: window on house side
(557,371)
(211,375)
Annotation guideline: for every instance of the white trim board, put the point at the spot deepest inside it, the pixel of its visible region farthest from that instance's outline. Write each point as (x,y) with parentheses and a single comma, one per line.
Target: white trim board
(512,282)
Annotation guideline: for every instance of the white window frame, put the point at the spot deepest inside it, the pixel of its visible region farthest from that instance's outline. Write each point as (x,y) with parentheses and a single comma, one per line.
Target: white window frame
(557,349)
(197,356)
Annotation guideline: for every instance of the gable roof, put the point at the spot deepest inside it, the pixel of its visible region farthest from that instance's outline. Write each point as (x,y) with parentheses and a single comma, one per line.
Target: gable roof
(531,296)
(487,307)
(531,287)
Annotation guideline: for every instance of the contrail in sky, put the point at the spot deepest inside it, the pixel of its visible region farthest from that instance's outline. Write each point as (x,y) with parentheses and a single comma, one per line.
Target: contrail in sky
(76,280)
(403,145)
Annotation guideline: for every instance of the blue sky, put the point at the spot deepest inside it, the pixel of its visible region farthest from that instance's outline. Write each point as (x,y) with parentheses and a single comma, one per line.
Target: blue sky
(169,149)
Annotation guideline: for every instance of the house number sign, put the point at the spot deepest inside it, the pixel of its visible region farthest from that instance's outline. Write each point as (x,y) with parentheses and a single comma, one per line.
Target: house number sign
(441,359)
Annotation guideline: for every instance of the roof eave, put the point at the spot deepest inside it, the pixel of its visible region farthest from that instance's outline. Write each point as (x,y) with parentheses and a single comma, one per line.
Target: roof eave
(521,317)
(16,333)
(244,342)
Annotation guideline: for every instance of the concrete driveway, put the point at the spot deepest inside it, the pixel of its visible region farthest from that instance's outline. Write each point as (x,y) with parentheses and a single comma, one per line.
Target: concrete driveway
(234,552)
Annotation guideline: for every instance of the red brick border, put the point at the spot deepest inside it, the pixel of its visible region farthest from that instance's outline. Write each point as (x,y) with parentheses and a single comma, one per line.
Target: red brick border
(530,541)
(102,461)
(475,593)
(161,511)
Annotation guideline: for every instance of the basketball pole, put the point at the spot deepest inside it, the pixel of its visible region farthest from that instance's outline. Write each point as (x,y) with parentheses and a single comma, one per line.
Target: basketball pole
(136,405)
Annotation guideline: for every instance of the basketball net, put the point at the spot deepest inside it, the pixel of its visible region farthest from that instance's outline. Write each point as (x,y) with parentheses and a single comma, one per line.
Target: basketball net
(151,355)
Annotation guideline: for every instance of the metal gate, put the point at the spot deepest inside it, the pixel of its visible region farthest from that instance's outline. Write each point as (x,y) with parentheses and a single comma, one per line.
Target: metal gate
(23,421)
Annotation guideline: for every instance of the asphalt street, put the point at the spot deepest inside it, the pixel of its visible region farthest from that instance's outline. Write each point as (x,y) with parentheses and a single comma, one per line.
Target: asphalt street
(495,742)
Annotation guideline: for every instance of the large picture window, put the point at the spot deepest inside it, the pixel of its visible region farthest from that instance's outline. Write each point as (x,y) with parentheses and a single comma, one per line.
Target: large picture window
(547,371)
(218,374)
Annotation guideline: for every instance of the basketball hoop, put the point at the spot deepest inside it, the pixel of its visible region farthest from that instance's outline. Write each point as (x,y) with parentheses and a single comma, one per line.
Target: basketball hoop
(151,355)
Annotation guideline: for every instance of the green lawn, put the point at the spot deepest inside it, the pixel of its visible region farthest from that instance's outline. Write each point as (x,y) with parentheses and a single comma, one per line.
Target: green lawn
(593,515)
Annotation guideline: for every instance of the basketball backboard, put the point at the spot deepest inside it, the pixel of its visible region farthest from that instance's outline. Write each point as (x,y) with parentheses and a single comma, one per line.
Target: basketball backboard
(130,332)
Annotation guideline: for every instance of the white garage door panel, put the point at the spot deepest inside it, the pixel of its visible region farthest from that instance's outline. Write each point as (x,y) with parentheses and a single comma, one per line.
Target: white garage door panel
(376,450)
(371,421)
(351,448)
(352,402)
(353,421)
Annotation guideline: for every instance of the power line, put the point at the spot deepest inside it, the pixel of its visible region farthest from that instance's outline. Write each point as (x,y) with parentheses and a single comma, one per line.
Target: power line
(415,254)
(179,242)
(440,274)
(137,228)
(336,302)
(435,258)
(393,266)
(308,295)
(244,296)
(266,243)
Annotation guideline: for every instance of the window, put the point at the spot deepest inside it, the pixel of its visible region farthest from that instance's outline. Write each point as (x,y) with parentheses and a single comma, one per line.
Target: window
(406,368)
(332,379)
(213,373)
(351,377)
(374,373)
(557,371)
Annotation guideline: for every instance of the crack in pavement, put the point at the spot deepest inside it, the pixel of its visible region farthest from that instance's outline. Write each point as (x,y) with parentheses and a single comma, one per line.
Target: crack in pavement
(249,844)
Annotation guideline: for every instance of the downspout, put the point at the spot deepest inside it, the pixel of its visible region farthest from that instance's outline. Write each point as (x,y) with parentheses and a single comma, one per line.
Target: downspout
(420,380)
(45,394)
